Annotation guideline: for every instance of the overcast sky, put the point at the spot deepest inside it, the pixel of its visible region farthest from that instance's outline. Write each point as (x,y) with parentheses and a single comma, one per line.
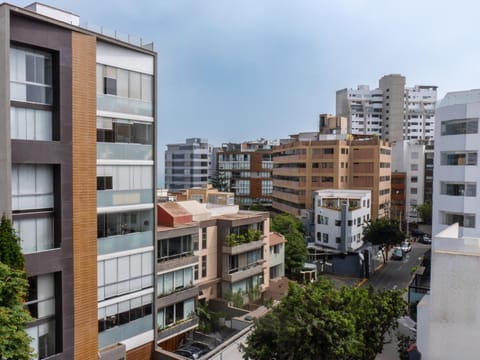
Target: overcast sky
(241,70)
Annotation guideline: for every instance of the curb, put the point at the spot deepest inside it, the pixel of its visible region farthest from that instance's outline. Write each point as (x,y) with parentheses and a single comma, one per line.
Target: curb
(362,282)
(379,266)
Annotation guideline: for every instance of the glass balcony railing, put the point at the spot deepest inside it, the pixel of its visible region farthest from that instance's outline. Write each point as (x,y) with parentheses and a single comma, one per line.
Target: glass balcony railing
(124,197)
(124,151)
(125,331)
(124,105)
(125,242)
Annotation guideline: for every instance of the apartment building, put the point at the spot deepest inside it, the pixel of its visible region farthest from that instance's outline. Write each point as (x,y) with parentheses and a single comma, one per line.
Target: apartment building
(340,216)
(247,170)
(189,164)
(447,325)
(415,159)
(77,172)
(392,111)
(310,161)
(207,251)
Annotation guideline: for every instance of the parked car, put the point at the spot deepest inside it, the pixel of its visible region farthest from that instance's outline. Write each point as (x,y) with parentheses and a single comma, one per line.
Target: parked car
(426,239)
(397,253)
(193,350)
(406,246)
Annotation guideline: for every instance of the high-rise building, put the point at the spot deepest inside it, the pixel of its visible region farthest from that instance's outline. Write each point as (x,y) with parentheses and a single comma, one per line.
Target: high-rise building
(77,169)
(392,111)
(310,161)
(447,317)
(188,164)
(246,169)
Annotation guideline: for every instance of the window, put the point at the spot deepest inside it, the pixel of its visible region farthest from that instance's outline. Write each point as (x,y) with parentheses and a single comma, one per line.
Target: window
(104,183)
(204,266)
(459,127)
(112,130)
(328,151)
(110,86)
(458,158)
(414,167)
(36,234)
(195,272)
(414,179)
(458,189)
(204,238)
(338,222)
(338,240)
(32,187)
(414,155)
(319,236)
(174,313)
(267,186)
(30,76)
(175,247)
(30,124)
(413,191)
(325,237)
(113,224)
(465,220)
(195,242)
(124,312)
(174,281)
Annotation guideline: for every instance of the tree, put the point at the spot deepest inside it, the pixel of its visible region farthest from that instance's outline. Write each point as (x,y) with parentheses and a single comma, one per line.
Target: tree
(324,323)
(14,341)
(383,231)
(295,248)
(220,181)
(425,212)
(10,250)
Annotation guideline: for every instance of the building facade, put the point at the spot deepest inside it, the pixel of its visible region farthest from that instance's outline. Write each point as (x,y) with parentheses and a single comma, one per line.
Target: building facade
(188,164)
(447,325)
(77,175)
(247,171)
(308,162)
(340,216)
(392,111)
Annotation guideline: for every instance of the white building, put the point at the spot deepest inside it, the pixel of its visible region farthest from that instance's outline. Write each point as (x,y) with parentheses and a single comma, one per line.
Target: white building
(392,111)
(448,318)
(340,216)
(409,156)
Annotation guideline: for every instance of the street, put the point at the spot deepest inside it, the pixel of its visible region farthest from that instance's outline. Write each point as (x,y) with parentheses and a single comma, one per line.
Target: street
(396,274)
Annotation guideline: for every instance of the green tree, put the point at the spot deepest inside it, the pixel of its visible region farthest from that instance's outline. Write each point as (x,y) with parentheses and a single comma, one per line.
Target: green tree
(425,212)
(321,322)
(295,248)
(383,231)
(220,181)
(10,250)
(14,341)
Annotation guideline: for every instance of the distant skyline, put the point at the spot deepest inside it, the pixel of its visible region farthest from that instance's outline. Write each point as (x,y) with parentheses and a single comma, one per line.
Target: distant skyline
(232,71)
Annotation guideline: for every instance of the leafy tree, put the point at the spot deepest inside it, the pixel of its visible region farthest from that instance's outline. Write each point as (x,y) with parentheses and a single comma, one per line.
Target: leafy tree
(321,322)
(10,250)
(425,212)
(14,341)
(295,248)
(383,231)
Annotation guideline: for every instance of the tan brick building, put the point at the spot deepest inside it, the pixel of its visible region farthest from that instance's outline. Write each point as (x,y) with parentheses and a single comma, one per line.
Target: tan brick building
(309,161)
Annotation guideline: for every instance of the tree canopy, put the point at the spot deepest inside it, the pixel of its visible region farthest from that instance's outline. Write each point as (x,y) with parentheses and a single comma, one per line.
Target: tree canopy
(14,341)
(383,231)
(295,248)
(425,212)
(321,322)
(10,250)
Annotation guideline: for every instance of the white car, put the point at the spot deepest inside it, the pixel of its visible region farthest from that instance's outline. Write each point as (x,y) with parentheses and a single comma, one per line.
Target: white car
(406,246)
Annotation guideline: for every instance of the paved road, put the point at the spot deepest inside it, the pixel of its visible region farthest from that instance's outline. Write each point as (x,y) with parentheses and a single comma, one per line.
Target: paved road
(396,274)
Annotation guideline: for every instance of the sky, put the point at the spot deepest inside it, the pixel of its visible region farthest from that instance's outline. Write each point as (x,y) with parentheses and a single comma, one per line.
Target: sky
(232,71)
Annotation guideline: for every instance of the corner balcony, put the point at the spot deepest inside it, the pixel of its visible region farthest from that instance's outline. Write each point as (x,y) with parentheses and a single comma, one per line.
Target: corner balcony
(176,262)
(177,328)
(244,273)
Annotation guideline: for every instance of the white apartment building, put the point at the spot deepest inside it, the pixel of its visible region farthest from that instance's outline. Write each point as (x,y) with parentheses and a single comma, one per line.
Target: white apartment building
(392,111)
(410,157)
(189,164)
(340,216)
(448,324)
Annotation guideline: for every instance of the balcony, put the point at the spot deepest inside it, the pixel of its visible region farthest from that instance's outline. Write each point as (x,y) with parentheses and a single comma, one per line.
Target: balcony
(289,184)
(244,273)
(289,158)
(178,328)
(111,244)
(288,197)
(120,151)
(285,208)
(177,296)
(243,248)
(124,105)
(125,331)
(124,197)
(175,262)
(290,171)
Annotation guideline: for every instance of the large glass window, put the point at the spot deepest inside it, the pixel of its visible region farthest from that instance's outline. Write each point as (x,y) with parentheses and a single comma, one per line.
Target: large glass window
(175,247)
(124,223)
(174,313)
(458,189)
(124,312)
(458,158)
(30,76)
(460,126)
(465,220)
(36,234)
(30,124)
(124,131)
(32,187)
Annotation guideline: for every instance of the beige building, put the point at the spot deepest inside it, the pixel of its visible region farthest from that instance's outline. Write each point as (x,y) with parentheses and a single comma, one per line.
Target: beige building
(206,194)
(310,161)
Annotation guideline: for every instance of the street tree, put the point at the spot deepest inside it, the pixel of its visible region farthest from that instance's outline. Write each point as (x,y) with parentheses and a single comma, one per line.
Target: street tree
(425,212)
(295,248)
(383,231)
(14,341)
(320,322)
(10,250)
